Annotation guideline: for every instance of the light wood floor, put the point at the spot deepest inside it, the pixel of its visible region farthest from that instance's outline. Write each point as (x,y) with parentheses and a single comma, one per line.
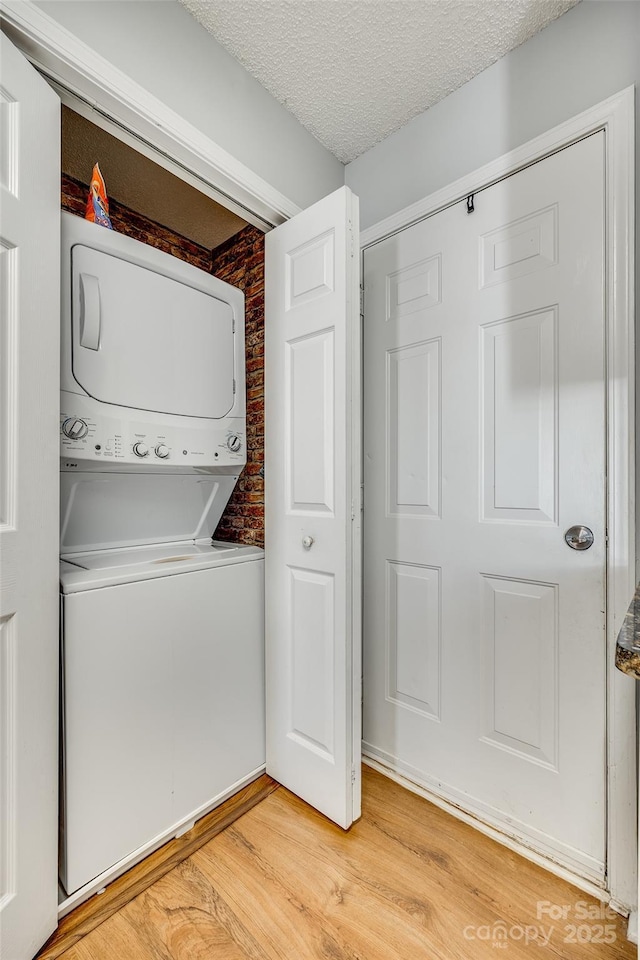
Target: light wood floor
(407,882)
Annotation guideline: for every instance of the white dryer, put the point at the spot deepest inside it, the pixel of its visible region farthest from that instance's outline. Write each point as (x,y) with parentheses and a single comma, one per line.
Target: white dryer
(152,358)
(162,630)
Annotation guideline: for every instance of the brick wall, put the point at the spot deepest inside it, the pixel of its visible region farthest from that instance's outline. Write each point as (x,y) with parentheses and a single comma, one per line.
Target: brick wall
(239,261)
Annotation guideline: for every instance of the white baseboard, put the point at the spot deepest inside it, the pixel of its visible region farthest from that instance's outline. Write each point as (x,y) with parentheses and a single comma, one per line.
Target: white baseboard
(632,927)
(556,869)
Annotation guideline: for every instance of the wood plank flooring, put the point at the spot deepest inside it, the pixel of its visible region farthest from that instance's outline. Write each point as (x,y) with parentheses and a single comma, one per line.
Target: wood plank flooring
(95,911)
(407,882)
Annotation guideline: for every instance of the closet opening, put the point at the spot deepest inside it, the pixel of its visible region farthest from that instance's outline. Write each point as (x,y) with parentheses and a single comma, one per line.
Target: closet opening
(154,206)
(150,204)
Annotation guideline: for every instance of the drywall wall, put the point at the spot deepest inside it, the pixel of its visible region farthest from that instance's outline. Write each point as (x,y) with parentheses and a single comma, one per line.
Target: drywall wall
(159,45)
(585,56)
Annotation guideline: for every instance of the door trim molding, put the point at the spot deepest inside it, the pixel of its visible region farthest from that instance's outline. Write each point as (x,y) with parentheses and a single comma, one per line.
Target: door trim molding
(107,96)
(616,117)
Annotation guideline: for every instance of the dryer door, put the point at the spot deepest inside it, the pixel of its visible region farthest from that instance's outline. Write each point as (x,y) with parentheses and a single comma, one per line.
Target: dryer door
(146,341)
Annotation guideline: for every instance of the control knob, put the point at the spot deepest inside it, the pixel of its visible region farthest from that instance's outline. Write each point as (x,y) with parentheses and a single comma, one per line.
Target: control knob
(234,443)
(162,451)
(74,428)
(141,449)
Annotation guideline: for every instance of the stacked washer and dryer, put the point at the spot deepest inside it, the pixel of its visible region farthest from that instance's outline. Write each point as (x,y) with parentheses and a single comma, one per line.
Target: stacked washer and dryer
(162,629)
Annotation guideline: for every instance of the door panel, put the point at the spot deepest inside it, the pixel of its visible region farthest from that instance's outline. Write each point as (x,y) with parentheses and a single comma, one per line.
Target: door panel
(312,363)
(521,634)
(29,391)
(413,455)
(519,425)
(309,444)
(484,441)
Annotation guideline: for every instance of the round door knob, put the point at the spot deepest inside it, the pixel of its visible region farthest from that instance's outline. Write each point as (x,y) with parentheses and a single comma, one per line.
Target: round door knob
(162,451)
(74,428)
(234,443)
(141,449)
(307,542)
(579,537)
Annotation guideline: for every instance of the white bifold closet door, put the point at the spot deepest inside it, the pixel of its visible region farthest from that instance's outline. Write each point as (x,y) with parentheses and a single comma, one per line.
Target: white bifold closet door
(29,404)
(312,567)
(484,443)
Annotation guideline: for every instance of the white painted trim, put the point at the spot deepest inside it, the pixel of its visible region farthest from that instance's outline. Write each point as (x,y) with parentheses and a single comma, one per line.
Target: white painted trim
(616,117)
(114,96)
(355,421)
(526,837)
(632,927)
(98,883)
(622,750)
(422,790)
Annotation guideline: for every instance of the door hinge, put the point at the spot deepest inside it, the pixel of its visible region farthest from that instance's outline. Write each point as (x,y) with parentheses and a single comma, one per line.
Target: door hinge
(353,773)
(353,502)
(362,302)
(354,248)
(234,385)
(233,325)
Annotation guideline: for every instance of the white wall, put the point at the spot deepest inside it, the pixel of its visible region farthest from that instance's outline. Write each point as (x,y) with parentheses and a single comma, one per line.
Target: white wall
(583,57)
(160,46)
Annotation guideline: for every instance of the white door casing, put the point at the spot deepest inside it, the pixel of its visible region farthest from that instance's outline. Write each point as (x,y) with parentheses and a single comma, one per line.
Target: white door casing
(312,486)
(29,401)
(484,404)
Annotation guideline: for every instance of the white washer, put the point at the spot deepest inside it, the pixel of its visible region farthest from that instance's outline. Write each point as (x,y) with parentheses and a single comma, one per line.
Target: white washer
(162,631)
(163,694)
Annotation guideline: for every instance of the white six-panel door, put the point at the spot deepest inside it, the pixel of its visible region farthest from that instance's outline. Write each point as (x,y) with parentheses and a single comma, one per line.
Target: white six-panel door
(484,407)
(29,401)
(312,585)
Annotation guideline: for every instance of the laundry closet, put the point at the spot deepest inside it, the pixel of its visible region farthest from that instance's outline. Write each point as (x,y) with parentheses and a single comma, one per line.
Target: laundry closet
(441,654)
(162,631)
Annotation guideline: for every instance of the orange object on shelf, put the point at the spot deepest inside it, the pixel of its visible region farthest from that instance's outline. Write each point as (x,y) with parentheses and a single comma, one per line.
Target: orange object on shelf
(97,202)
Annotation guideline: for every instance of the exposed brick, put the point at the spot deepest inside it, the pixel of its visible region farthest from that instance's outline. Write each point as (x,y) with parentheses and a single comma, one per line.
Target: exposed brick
(240,260)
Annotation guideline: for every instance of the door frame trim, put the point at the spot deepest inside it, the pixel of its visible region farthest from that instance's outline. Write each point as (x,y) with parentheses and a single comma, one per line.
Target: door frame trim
(615,116)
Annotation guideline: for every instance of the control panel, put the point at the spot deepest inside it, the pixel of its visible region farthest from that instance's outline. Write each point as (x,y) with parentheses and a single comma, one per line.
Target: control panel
(88,434)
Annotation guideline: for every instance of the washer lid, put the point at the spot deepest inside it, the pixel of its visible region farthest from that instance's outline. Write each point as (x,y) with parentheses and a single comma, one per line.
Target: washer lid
(99,511)
(107,568)
(161,553)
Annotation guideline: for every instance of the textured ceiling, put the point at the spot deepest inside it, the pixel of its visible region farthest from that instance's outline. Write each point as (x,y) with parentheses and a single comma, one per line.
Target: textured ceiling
(142,185)
(353,71)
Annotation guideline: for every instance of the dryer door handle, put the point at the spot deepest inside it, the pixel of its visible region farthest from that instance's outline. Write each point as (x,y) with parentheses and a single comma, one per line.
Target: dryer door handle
(89,311)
